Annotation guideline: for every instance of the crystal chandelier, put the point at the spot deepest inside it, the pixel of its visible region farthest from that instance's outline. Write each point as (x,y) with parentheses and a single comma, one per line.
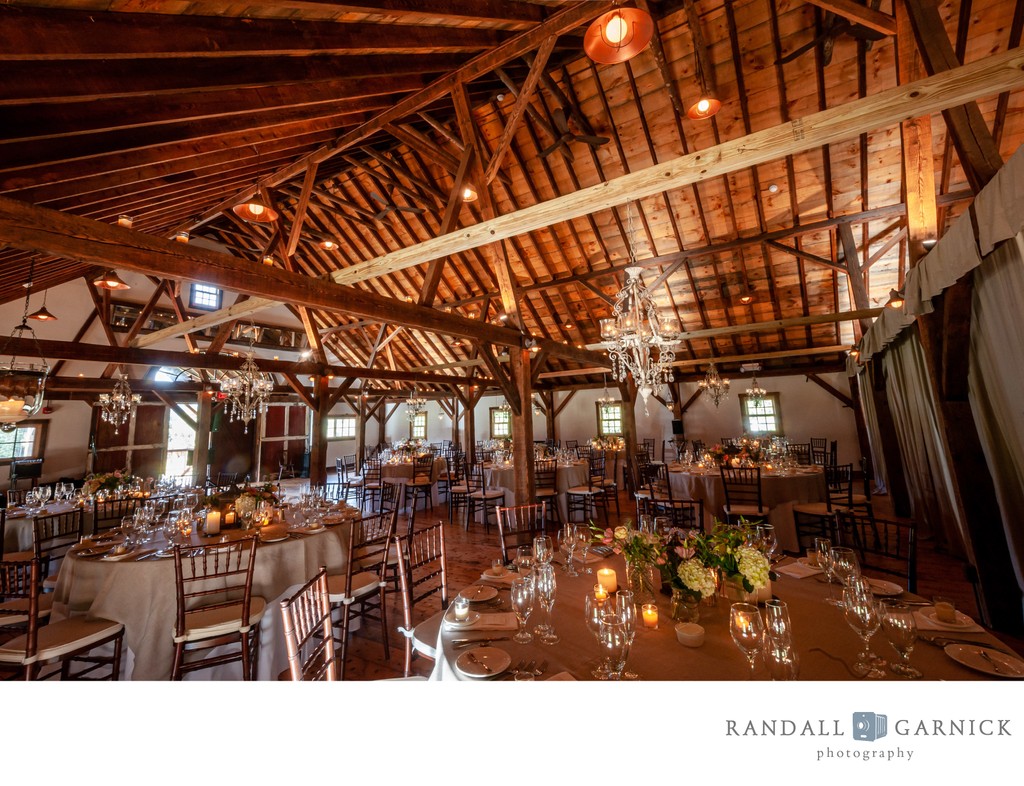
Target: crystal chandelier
(713,386)
(119,405)
(247,390)
(756,393)
(22,385)
(640,342)
(606,397)
(416,404)
(504,406)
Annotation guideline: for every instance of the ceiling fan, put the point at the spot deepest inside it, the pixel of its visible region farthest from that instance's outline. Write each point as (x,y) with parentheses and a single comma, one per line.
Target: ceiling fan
(567,136)
(390,206)
(835,26)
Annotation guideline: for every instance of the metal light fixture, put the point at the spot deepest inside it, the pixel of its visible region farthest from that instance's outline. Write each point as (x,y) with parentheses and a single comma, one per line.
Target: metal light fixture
(42,314)
(469,194)
(707,102)
(755,393)
(109,280)
(714,388)
(22,385)
(504,406)
(255,209)
(119,405)
(854,352)
(618,35)
(416,404)
(606,397)
(247,390)
(896,299)
(641,342)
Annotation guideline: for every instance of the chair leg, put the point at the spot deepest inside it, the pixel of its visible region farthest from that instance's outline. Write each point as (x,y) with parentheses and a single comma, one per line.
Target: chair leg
(384,624)
(179,655)
(246,656)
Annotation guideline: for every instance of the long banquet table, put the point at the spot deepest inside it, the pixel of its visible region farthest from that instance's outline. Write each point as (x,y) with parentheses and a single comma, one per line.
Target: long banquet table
(141,594)
(825,643)
(780,491)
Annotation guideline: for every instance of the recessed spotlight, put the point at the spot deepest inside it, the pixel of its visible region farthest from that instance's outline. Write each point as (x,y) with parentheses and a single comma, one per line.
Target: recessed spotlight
(773,189)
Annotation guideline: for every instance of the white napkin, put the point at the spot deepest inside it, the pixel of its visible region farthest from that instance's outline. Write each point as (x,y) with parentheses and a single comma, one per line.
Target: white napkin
(798,570)
(929,623)
(505,620)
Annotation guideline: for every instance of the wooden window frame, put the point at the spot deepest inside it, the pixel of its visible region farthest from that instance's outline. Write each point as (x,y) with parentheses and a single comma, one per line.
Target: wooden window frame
(338,418)
(412,426)
(40,442)
(203,306)
(745,416)
(504,414)
(599,405)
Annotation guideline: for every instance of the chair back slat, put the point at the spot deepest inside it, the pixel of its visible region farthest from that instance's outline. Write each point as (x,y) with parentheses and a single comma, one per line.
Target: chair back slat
(307,629)
(882,545)
(742,486)
(519,525)
(215,576)
(53,535)
(108,514)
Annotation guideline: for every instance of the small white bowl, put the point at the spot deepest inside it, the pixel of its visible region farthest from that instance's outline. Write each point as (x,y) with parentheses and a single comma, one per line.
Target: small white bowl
(690,634)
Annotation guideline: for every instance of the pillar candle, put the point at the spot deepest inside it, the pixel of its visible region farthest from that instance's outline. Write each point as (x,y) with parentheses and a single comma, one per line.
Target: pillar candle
(229,518)
(213,522)
(606,578)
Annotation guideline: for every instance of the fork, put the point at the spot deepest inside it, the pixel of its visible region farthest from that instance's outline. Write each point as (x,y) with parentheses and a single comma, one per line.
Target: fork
(988,659)
(540,669)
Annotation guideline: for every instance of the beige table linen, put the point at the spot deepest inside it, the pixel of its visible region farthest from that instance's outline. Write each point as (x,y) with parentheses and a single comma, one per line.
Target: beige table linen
(825,643)
(401,473)
(142,596)
(779,493)
(566,476)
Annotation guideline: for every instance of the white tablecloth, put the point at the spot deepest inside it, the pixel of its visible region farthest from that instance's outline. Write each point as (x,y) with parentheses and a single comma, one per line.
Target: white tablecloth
(402,473)
(503,477)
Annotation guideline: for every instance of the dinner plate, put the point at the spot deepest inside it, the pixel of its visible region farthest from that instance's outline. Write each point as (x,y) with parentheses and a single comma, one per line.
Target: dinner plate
(478,593)
(483,662)
(274,540)
(164,554)
(885,589)
(962,620)
(490,574)
(453,623)
(997,663)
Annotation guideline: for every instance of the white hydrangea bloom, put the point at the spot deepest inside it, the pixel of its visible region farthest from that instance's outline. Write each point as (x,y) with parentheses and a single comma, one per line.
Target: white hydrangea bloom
(753,566)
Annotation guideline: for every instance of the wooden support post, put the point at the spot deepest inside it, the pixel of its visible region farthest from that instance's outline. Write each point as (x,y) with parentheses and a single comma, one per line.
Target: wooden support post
(862,429)
(360,408)
(201,450)
(522,427)
(627,391)
(548,397)
(318,441)
(470,426)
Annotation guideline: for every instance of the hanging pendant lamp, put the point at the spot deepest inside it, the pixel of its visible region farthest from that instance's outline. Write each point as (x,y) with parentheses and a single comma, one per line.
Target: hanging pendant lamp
(618,35)
(255,209)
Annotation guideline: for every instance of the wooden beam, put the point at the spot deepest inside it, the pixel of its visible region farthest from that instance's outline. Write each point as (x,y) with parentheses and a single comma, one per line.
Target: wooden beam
(300,210)
(858,289)
(859,14)
(304,394)
(846,400)
(503,378)
(522,428)
(689,402)
(181,413)
(780,324)
(806,255)
(519,108)
(566,400)
(52,232)
(985,77)
(432,277)
(785,353)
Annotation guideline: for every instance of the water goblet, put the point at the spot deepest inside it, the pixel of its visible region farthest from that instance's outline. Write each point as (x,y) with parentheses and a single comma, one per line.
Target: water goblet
(593,610)
(522,599)
(614,641)
(543,549)
(777,626)
(545,586)
(863,615)
(625,608)
(584,540)
(845,566)
(747,630)
(823,550)
(900,629)
(524,560)
(568,545)
(780,659)
(769,543)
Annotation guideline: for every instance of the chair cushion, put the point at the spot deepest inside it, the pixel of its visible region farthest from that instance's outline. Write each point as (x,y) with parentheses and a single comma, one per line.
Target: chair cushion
(459,489)
(18,556)
(858,499)
(746,510)
(60,638)
(546,492)
(363,584)
(812,509)
(582,490)
(50,583)
(21,605)
(220,620)
(488,494)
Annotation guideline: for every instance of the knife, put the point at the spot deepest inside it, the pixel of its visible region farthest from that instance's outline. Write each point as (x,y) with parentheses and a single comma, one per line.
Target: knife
(475,641)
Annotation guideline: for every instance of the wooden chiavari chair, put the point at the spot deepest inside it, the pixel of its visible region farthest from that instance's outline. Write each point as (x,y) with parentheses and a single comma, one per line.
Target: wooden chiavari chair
(481,497)
(52,536)
(372,483)
(743,496)
(215,606)
(109,513)
(307,629)
(882,545)
(424,572)
(518,526)
(422,484)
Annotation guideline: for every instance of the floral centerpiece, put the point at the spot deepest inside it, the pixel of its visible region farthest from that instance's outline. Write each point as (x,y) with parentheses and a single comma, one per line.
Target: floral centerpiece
(107,482)
(644,553)
(726,549)
(745,452)
(408,447)
(251,496)
(607,443)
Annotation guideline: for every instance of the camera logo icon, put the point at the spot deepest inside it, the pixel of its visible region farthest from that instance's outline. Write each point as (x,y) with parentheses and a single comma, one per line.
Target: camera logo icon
(869,726)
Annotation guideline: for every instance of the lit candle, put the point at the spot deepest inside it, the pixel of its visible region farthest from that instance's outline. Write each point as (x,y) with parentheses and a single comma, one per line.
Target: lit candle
(229,518)
(650,612)
(606,578)
(461,609)
(600,593)
(213,522)
(125,221)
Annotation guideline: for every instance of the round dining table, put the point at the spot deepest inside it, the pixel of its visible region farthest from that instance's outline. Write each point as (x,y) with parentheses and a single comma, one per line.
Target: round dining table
(825,644)
(502,476)
(139,591)
(401,472)
(780,491)
(18,529)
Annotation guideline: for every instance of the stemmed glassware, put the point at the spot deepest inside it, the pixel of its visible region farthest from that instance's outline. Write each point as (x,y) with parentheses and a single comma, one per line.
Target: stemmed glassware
(568,545)
(522,599)
(593,610)
(900,629)
(524,560)
(779,654)
(845,565)
(544,586)
(823,549)
(769,542)
(614,640)
(625,609)
(584,540)
(863,615)
(543,549)
(747,630)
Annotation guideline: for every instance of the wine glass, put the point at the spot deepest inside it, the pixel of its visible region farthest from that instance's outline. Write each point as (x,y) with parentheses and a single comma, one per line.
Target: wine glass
(900,629)
(593,610)
(568,545)
(625,608)
(747,630)
(191,501)
(543,549)
(845,566)
(780,659)
(769,543)
(544,586)
(777,626)
(823,548)
(524,560)
(522,599)
(863,615)
(614,640)
(584,540)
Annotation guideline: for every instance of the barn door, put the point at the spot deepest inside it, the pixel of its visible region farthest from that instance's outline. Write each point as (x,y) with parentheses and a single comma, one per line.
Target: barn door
(139,446)
(285,439)
(231,448)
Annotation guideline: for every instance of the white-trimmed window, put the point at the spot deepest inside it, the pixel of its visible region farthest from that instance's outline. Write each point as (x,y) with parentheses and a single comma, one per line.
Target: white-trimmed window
(25,442)
(418,426)
(609,419)
(205,297)
(761,417)
(501,423)
(341,427)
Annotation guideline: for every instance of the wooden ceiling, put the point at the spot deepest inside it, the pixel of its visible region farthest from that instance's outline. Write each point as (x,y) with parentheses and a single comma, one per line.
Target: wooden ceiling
(354,120)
